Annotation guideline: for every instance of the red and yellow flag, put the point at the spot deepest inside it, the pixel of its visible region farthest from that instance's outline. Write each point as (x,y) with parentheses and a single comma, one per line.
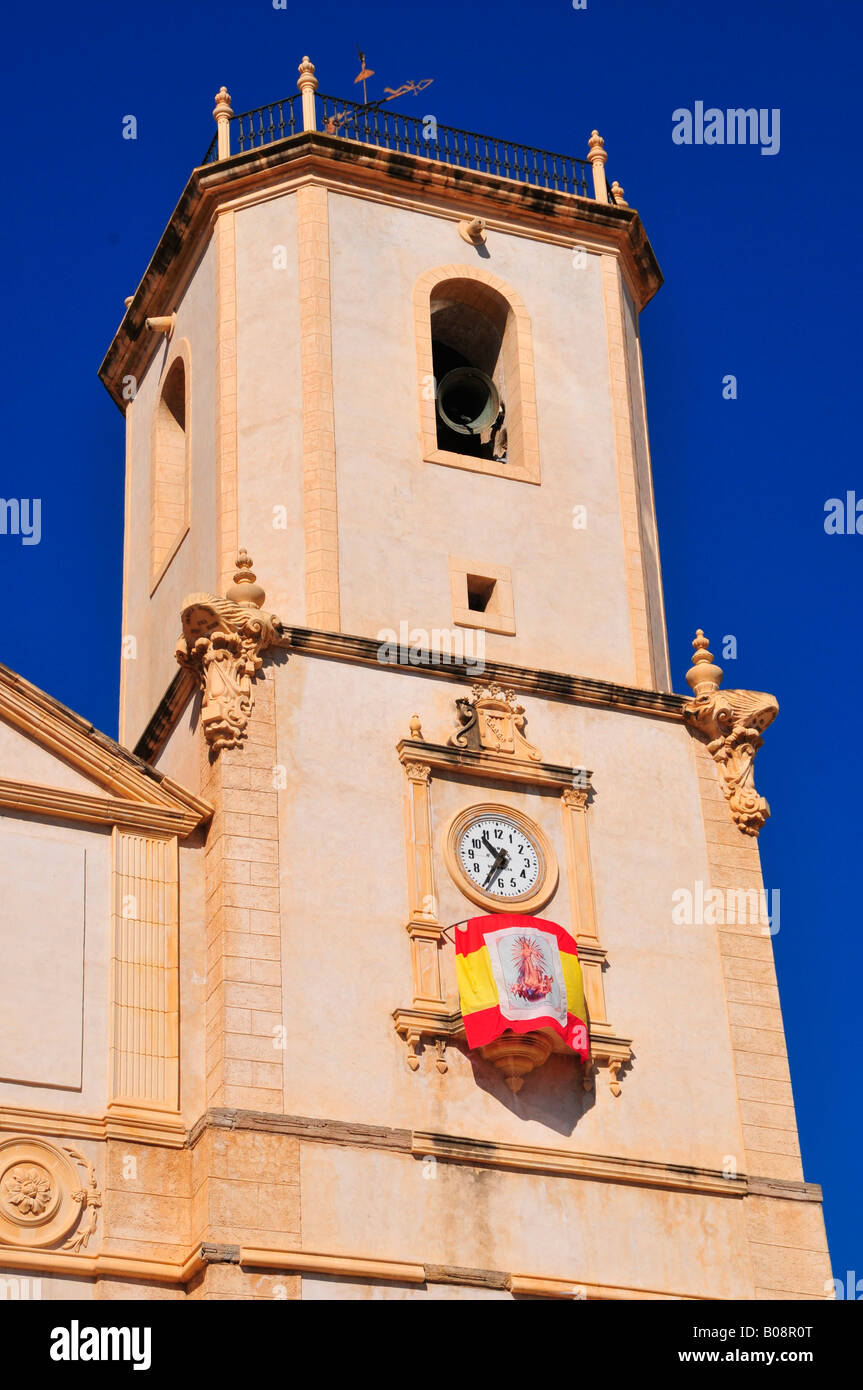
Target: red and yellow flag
(520,974)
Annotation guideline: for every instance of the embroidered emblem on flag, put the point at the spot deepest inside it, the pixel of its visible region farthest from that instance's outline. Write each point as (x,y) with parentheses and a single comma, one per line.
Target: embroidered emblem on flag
(520,974)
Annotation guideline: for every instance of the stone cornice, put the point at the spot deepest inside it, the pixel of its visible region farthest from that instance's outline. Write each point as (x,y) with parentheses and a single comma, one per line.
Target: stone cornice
(125,777)
(166,1130)
(110,1263)
(57,803)
(406,178)
(163,1128)
(404,1272)
(527,680)
(484,1153)
(488,766)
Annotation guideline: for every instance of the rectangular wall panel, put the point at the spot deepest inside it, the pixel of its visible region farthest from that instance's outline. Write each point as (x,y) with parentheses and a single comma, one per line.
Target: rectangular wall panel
(42,974)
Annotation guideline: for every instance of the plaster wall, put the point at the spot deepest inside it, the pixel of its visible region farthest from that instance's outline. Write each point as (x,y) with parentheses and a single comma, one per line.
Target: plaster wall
(269,402)
(68,869)
(154,621)
(400,518)
(532,1224)
(345,952)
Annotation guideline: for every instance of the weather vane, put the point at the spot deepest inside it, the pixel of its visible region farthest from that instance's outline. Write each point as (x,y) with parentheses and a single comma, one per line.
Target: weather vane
(364,74)
(390,92)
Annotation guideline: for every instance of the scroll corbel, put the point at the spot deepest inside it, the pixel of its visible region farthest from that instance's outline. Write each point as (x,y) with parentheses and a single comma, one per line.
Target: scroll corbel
(730,723)
(222,644)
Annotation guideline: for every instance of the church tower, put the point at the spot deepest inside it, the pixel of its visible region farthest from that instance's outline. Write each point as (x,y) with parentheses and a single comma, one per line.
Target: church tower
(388,480)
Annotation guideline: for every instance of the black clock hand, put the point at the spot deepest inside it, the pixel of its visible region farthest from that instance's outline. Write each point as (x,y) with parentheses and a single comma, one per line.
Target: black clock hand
(500,863)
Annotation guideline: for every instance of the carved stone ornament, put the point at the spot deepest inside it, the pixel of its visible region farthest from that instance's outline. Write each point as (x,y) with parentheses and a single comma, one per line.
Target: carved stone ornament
(221,643)
(493,720)
(45,1197)
(731,723)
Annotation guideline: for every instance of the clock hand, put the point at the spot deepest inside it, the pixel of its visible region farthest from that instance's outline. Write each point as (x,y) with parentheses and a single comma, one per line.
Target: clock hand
(489,846)
(500,863)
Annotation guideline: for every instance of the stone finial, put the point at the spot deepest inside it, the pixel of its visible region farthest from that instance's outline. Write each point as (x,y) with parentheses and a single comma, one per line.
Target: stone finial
(617,195)
(596,146)
(223,103)
(222,114)
(416,727)
(597,154)
(244,590)
(703,677)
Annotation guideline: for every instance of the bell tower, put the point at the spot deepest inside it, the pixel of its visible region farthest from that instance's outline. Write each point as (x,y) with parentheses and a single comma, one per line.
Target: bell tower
(389,482)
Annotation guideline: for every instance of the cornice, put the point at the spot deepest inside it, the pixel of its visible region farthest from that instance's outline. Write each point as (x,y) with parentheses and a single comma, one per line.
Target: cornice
(599,1167)
(527,680)
(138,793)
(109,1263)
(166,1130)
(483,1153)
(139,1126)
(488,766)
(365,169)
(54,802)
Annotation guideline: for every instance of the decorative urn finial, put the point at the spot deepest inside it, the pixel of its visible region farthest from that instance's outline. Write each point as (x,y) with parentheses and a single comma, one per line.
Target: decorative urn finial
(244,589)
(703,677)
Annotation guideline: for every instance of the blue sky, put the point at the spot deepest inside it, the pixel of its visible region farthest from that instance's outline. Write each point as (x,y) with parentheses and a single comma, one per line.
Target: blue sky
(762,266)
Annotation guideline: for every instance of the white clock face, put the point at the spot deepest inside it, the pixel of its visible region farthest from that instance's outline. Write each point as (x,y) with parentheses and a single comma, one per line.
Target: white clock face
(499,858)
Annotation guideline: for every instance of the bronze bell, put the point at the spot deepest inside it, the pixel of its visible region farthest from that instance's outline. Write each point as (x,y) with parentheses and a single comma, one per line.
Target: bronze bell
(468,401)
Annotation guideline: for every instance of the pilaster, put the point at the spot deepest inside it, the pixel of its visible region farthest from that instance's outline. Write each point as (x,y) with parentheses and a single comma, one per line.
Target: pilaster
(320,501)
(244,1018)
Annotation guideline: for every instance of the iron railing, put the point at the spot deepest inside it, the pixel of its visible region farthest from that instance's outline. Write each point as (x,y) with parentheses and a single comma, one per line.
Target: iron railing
(377,125)
(262,126)
(374,124)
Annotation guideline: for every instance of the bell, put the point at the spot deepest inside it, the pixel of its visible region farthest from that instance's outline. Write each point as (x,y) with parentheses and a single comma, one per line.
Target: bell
(468,401)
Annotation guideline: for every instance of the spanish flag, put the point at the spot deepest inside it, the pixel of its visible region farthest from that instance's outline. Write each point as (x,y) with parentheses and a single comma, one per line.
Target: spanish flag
(520,974)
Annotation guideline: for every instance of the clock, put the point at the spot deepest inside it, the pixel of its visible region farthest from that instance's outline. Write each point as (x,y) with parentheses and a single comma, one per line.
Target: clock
(500,859)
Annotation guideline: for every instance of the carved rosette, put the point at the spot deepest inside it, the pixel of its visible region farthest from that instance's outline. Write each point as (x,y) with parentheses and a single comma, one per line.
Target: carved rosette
(493,720)
(730,723)
(221,644)
(46,1193)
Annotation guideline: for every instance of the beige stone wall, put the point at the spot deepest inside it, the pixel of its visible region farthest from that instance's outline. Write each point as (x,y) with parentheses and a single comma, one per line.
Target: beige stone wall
(570,594)
(304,387)
(788,1240)
(648,532)
(307,1158)
(343,844)
(244,997)
(269,401)
(153,621)
(355,1201)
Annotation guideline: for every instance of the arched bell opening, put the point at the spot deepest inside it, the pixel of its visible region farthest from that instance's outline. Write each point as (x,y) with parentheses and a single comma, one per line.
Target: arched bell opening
(469,324)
